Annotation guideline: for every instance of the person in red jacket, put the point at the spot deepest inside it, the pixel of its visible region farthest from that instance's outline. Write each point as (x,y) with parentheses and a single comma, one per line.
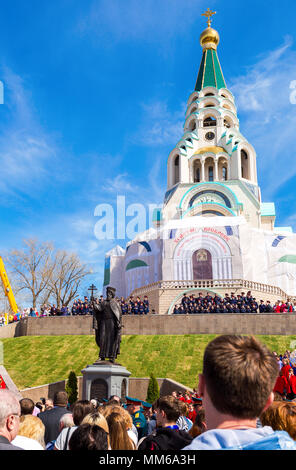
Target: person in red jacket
(192,413)
(277,308)
(281,385)
(292,383)
(286,368)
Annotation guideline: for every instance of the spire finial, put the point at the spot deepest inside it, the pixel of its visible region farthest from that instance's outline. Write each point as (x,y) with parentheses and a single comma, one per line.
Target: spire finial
(208,14)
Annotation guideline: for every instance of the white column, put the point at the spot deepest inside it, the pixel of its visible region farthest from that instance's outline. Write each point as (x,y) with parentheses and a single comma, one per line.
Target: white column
(225,274)
(216,175)
(202,170)
(188,275)
(177,274)
(229,268)
(220,269)
(184,269)
(181,270)
(228,170)
(215,269)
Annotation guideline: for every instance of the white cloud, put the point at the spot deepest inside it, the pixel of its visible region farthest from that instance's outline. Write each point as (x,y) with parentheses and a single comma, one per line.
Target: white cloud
(148,20)
(159,126)
(81,225)
(268,118)
(120,185)
(25,148)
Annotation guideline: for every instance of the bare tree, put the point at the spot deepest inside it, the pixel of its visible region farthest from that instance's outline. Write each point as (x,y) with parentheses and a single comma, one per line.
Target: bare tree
(32,268)
(46,274)
(65,282)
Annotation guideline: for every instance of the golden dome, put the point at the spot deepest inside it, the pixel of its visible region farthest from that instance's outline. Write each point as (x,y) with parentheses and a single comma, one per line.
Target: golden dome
(209,38)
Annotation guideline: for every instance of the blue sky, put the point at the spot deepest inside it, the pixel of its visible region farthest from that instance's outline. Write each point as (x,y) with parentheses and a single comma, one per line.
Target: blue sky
(94,100)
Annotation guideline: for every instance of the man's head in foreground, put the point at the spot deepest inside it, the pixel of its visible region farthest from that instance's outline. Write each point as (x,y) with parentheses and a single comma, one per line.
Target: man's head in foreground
(238,377)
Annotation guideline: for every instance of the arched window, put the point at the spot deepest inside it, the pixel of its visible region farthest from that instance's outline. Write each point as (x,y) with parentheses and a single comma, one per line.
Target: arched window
(197,175)
(211,173)
(210,105)
(227,123)
(196,171)
(245,165)
(209,94)
(193,99)
(224,173)
(210,122)
(177,169)
(192,125)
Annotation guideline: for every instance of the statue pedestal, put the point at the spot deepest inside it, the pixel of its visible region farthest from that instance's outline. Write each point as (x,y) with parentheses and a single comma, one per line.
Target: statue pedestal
(103,379)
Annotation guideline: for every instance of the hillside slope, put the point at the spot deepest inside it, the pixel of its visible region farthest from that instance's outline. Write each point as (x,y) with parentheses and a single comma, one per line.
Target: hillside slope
(33,361)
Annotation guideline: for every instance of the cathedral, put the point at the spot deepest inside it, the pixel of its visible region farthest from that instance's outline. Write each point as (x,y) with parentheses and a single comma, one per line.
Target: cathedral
(213,233)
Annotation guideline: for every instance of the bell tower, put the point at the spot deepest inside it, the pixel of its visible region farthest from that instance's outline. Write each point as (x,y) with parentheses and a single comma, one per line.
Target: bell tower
(212,169)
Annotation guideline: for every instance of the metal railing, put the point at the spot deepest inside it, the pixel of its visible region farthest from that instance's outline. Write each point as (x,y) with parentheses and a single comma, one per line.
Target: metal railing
(213,284)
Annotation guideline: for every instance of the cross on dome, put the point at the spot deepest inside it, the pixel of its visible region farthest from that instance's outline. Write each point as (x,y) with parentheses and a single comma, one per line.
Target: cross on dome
(208,14)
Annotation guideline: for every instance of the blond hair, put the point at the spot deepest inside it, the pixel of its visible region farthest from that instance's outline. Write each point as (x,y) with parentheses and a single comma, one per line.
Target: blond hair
(119,438)
(32,427)
(96,418)
(108,409)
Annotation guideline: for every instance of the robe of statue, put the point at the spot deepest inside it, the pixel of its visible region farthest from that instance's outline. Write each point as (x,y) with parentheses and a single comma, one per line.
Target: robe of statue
(107,324)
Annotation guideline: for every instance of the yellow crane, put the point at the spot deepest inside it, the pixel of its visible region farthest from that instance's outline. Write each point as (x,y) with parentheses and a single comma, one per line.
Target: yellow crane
(7,288)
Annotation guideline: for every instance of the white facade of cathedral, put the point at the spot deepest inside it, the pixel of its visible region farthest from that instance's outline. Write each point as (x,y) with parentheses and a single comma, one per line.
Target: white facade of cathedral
(213,224)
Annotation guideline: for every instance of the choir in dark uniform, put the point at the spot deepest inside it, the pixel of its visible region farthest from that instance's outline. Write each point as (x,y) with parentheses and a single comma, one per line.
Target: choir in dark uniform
(134,306)
(131,306)
(190,304)
(213,303)
(81,307)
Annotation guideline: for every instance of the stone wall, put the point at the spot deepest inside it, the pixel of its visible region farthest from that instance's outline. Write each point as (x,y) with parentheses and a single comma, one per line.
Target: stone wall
(8,331)
(137,388)
(252,323)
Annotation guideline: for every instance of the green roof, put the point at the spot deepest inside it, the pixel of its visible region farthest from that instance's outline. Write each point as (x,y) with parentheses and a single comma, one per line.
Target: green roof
(267,209)
(288,259)
(210,72)
(136,263)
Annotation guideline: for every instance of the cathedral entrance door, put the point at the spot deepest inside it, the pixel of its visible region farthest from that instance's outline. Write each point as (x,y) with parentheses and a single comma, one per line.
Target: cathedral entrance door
(202,264)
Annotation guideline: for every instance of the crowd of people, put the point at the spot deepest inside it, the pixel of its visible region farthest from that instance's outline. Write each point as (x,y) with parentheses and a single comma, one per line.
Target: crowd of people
(135,306)
(239,404)
(190,304)
(130,306)
(241,303)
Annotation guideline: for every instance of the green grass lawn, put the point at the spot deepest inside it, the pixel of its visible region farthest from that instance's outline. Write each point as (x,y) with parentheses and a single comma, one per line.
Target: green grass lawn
(37,360)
